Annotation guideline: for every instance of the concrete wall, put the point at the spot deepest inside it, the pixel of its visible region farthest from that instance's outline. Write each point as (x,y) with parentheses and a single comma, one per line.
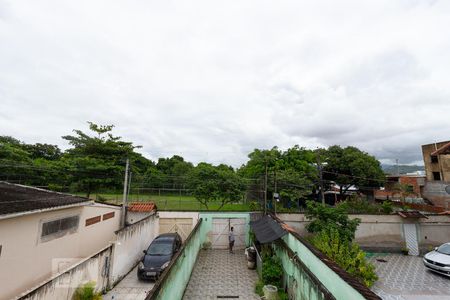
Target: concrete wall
(435,192)
(180,214)
(64,285)
(385,232)
(134,217)
(129,245)
(27,261)
(304,287)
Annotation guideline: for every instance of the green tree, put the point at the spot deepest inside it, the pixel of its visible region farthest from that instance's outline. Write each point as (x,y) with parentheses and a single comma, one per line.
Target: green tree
(215,184)
(175,170)
(291,173)
(324,217)
(97,161)
(350,166)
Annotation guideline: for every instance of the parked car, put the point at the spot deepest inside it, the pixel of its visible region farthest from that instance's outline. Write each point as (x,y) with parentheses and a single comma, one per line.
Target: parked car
(438,260)
(158,256)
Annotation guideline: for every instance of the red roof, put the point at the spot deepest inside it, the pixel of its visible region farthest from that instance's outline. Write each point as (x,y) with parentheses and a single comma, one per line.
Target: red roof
(142,207)
(443,150)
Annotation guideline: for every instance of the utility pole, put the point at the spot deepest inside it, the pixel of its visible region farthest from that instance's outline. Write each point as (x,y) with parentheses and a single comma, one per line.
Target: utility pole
(265,191)
(125,194)
(319,168)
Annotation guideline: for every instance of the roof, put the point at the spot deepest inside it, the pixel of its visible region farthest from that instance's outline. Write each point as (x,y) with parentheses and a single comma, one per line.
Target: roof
(267,229)
(442,150)
(411,214)
(16,198)
(142,207)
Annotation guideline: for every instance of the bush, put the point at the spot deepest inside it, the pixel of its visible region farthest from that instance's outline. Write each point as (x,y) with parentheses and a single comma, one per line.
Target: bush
(86,292)
(272,271)
(386,207)
(326,217)
(346,254)
(254,206)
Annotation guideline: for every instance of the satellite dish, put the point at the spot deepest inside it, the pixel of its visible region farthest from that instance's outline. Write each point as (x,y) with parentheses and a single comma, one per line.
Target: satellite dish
(447,189)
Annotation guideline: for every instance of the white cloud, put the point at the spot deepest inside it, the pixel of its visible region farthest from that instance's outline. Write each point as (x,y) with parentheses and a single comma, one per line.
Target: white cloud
(212,80)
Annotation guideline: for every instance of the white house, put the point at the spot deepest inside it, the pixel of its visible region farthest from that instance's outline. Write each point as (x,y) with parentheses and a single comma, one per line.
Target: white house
(43,232)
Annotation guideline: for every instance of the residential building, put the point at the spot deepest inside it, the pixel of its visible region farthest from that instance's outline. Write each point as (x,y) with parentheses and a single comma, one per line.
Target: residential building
(44,232)
(413,182)
(436,158)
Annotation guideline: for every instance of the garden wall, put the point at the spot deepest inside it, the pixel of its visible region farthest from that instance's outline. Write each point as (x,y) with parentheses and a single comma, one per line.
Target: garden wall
(173,281)
(129,245)
(311,276)
(385,232)
(63,285)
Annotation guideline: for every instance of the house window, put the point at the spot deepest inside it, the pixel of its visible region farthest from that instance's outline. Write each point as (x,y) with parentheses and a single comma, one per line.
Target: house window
(436,176)
(92,221)
(434,159)
(108,216)
(59,227)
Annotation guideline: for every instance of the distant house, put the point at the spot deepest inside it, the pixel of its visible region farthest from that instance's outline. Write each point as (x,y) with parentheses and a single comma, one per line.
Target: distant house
(414,184)
(43,232)
(436,158)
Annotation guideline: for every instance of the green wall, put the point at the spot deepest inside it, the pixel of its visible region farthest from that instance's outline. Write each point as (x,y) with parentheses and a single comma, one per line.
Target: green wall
(306,289)
(208,217)
(175,284)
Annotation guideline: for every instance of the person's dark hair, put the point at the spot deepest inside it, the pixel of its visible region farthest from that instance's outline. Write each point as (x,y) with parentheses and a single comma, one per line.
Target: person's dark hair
(231,228)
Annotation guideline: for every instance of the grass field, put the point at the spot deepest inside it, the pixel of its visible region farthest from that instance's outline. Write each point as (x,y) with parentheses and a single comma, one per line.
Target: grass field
(171,202)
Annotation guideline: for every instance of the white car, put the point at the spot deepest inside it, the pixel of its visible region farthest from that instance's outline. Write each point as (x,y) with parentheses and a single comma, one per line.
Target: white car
(438,260)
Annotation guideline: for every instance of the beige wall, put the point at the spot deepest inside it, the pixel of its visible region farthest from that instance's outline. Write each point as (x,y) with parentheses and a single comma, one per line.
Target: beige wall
(386,231)
(26,261)
(63,286)
(130,242)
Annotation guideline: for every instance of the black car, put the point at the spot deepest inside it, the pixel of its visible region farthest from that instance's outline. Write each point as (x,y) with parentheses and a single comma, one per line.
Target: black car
(158,255)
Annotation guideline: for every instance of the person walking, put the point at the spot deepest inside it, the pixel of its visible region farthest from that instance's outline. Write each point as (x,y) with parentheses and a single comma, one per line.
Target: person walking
(231,239)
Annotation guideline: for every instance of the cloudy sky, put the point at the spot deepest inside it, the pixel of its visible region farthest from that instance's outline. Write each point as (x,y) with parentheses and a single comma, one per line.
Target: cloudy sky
(212,80)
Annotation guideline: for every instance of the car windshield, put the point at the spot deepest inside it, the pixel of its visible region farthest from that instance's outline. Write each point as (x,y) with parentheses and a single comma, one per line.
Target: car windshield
(160,249)
(444,249)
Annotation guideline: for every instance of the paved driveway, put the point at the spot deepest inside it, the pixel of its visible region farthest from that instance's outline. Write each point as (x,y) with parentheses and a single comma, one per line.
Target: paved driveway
(405,278)
(130,288)
(219,273)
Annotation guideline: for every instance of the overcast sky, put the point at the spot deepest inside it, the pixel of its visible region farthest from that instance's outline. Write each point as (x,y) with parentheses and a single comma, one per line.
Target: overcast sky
(212,80)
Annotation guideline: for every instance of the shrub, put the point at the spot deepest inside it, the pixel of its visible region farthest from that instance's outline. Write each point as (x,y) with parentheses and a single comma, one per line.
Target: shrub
(346,254)
(272,271)
(386,207)
(254,206)
(87,292)
(326,217)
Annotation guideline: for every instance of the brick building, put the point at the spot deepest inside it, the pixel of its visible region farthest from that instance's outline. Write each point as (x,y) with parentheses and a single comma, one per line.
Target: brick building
(436,158)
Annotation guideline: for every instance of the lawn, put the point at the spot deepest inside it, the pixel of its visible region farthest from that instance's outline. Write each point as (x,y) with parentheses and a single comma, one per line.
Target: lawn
(171,202)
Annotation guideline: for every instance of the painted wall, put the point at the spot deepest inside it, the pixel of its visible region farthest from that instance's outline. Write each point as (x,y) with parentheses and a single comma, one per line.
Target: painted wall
(26,261)
(129,245)
(339,288)
(207,218)
(180,214)
(64,285)
(134,217)
(385,232)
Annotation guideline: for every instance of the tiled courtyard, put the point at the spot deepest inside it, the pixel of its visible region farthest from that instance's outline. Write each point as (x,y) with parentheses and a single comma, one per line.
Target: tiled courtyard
(219,273)
(130,288)
(405,278)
